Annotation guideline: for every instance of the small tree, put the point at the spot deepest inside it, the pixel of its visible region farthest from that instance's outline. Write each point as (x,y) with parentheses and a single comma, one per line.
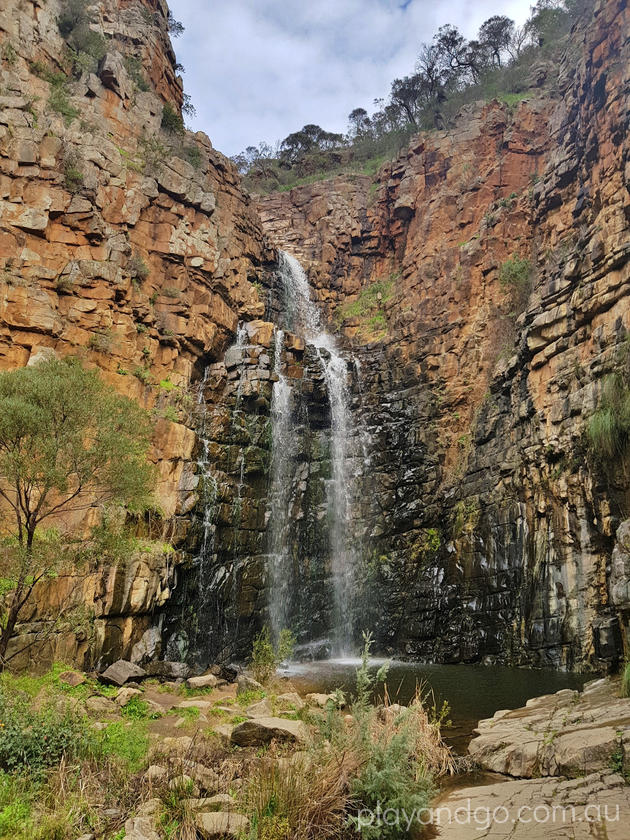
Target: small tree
(68,442)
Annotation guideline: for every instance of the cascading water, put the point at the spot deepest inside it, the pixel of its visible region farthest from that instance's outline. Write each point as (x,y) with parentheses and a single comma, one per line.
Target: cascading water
(282,446)
(302,317)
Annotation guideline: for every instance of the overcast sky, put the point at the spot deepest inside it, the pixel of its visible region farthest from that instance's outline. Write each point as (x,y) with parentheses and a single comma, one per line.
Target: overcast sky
(259,69)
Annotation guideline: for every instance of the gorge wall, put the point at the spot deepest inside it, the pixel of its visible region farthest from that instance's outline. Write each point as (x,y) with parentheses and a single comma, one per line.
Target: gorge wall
(129,246)
(490,527)
(485,528)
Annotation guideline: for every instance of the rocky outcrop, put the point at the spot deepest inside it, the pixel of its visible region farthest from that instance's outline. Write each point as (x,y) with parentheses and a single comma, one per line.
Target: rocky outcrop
(501,254)
(564,734)
(129,246)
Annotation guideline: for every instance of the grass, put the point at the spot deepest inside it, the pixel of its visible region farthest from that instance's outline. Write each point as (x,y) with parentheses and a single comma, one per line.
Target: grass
(369,308)
(128,742)
(609,427)
(625,680)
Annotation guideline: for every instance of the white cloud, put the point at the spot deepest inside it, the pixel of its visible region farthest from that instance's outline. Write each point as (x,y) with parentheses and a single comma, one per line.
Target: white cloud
(259,69)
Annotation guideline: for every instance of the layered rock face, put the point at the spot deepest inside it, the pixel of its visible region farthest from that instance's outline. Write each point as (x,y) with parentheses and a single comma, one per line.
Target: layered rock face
(122,243)
(491,526)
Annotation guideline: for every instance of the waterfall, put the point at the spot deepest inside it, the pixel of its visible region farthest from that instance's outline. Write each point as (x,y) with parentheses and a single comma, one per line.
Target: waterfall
(282,451)
(303,318)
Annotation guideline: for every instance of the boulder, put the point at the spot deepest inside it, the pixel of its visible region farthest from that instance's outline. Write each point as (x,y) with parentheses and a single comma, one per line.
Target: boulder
(140,828)
(290,702)
(245,684)
(206,778)
(221,824)
(176,746)
(260,731)
(121,672)
(321,700)
(155,773)
(202,705)
(72,678)
(206,681)
(184,784)
(260,709)
(99,705)
(168,670)
(125,694)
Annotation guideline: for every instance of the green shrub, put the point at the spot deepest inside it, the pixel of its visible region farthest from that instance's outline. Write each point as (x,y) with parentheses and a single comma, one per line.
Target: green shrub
(138,269)
(609,427)
(143,374)
(86,47)
(134,68)
(193,156)
(171,120)
(36,739)
(59,101)
(72,174)
(625,681)
(266,656)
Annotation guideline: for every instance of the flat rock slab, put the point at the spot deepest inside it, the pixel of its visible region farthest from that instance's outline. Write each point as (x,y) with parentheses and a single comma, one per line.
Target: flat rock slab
(594,806)
(569,733)
(121,672)
(221,824)
(260,731)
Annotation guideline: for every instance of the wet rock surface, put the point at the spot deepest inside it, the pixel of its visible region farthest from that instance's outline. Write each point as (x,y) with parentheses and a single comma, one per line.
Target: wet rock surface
(489,523)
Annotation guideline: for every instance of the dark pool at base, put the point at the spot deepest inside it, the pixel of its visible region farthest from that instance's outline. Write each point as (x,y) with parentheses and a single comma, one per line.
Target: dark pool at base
(472,691)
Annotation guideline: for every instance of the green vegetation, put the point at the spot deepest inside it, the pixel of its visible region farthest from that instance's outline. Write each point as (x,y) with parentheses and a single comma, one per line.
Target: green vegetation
(8,53)
(138,269)
(466,517)
(133,66)
(609,427)
(36,739)
(515,277)
(266,656)
(192,153)
(143,374)
(380,755)
(73,442)
(426,546)
(85,46)
(172,121)
(369,309)
(450,72)
(625,680)
(72,174)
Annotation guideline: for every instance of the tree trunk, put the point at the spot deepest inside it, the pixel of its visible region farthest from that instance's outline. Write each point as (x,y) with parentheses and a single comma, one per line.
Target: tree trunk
(8,630)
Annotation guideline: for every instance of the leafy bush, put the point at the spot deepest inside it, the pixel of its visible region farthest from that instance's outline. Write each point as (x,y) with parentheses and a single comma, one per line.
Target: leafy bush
(266,656)
(87,47)
(37,739)
(172,120)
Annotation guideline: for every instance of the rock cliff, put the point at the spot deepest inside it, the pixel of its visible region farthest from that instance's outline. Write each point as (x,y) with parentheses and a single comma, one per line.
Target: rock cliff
(481,280)
(129,245)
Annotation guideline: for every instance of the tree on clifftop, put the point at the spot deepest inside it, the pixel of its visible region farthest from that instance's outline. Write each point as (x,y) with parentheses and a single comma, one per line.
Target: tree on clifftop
(68,442)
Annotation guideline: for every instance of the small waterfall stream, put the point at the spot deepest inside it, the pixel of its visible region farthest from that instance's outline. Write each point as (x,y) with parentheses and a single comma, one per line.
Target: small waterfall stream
(302,318)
